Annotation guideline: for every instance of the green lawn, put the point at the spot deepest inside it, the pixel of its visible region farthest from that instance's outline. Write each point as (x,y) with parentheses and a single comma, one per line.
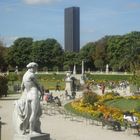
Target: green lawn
(50,81)
(108,77)
(52,84)
(125,104)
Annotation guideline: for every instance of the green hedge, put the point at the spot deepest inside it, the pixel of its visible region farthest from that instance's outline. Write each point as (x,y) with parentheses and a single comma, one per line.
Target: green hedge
(3,85)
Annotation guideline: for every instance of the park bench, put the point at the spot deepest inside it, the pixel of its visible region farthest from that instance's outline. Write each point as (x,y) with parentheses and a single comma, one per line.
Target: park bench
(111,124)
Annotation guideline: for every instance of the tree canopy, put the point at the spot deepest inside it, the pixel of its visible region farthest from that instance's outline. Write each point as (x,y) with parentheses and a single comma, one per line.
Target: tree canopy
(3,51)
(120,52)
(47,53)
(19,54)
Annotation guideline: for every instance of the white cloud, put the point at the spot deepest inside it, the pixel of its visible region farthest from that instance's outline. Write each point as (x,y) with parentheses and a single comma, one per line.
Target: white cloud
(37,2)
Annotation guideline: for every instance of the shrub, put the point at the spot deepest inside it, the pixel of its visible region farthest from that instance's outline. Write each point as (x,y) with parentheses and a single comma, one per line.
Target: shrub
(90,98)
(3,85)
(12,77)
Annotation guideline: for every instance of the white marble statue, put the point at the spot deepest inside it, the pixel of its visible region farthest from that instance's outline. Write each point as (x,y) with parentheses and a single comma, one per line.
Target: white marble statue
(27,109)
(68,76)
(74,70)
(107,68)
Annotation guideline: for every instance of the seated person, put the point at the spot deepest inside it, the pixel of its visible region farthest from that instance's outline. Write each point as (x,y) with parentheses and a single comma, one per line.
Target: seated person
(115,124)
(131,119)
(57,101)
(47,95)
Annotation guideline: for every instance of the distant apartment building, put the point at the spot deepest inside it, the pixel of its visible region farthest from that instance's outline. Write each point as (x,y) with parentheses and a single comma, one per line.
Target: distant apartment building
(72,29)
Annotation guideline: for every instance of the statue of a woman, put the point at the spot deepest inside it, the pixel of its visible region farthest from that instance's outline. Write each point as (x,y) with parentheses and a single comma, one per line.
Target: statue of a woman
(27,109)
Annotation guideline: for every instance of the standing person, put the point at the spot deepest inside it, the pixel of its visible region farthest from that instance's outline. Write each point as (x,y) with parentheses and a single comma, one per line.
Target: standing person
(103,88)
(27,108)
(57,86)
(66,94)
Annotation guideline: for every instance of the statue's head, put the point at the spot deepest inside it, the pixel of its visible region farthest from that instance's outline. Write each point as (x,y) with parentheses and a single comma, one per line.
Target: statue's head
(32,66)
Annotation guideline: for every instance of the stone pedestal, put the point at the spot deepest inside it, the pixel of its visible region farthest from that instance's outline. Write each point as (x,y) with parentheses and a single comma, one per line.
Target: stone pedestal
(32,137)
(68,85)
(82,81)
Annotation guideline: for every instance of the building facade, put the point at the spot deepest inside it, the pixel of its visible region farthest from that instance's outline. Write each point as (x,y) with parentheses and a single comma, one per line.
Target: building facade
(72,29)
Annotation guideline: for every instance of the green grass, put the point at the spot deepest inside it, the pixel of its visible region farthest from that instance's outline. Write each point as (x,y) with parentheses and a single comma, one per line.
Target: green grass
(48,81)
(52,84)
(109,77)
(51,77)
(125,104)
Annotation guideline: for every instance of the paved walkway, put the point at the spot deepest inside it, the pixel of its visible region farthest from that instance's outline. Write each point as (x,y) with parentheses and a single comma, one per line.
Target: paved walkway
(61,128)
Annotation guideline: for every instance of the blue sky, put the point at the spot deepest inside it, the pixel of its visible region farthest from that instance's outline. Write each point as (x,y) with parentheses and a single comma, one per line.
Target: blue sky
(42,19)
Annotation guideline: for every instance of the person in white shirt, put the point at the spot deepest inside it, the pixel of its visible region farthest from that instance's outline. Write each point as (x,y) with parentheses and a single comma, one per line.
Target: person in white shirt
(130,118)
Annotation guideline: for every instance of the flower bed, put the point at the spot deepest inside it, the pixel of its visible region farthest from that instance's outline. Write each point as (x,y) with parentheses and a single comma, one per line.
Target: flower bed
(100,107)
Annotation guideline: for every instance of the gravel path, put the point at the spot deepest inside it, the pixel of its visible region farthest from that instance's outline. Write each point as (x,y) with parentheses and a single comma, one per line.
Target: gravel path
(59,127)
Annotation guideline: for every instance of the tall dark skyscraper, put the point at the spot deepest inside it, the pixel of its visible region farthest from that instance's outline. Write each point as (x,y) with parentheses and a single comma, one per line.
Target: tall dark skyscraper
(72,29)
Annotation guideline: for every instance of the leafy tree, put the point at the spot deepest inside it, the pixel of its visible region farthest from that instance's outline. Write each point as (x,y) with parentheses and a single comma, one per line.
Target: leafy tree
(132,52)
(19,52)
(86,54)
(47,53)
(3,51)
(99,63)
(71,59)
(114,52)
(100,55)
(122,51)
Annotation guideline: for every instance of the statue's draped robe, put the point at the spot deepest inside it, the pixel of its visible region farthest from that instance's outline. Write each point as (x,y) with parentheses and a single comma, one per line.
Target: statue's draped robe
(22,113)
